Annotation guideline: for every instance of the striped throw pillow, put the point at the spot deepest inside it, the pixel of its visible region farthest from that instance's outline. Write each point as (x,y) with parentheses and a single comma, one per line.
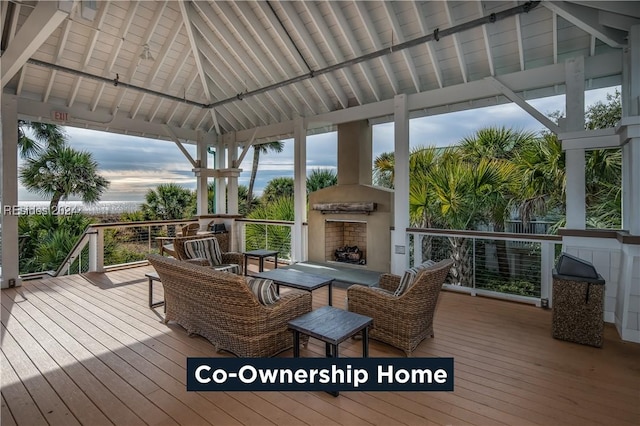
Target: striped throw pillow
(410,275)
(265,290)
(207,248)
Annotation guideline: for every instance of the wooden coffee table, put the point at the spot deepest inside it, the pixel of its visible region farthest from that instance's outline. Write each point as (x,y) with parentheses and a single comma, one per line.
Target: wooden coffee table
(299,280)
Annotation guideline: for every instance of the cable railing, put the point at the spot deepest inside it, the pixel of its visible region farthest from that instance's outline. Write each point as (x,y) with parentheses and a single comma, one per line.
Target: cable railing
(256,234)
(504,265)
(109,245)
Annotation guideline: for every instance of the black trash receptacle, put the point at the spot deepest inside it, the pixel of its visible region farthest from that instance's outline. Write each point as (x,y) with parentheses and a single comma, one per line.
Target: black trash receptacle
(578,301)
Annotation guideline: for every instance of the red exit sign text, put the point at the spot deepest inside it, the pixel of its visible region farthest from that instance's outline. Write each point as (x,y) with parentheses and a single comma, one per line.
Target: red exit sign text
(60,116)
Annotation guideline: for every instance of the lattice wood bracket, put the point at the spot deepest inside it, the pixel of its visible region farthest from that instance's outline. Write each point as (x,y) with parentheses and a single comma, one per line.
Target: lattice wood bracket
(364,207)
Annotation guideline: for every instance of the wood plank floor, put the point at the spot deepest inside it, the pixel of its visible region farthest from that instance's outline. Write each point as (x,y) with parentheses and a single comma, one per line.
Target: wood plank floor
(87,350)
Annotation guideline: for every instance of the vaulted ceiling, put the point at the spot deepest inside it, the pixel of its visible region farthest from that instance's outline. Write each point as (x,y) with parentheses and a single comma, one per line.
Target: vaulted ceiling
(224,66)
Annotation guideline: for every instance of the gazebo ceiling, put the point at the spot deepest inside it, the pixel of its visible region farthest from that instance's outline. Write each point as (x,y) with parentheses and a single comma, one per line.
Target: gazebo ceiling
(216,66)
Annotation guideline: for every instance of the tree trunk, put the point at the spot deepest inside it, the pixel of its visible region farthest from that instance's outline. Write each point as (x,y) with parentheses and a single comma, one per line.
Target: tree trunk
(501,252)
(254,172)
(53,206)
(462,270)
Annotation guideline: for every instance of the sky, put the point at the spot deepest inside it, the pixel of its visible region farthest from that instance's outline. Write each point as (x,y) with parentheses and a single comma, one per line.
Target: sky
(134,165)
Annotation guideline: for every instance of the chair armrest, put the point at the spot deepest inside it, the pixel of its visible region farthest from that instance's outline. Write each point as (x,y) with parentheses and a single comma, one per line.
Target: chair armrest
(198,261)
(389,282)
(234,257)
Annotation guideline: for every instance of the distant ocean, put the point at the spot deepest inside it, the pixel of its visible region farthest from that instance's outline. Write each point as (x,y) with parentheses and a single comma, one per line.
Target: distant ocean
(99,208)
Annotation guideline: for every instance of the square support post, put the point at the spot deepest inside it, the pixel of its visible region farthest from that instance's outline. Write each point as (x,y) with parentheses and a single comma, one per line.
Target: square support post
(298,242)
(9,192)
(399,239)
(575,160)
(202,190)
(221,184)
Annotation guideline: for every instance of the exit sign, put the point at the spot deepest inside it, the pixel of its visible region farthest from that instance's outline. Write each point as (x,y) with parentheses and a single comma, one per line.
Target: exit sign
(60,116)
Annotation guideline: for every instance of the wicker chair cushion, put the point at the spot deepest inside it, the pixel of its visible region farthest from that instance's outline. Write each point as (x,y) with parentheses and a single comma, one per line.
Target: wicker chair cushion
(410,275)
(265,290)
(206,248)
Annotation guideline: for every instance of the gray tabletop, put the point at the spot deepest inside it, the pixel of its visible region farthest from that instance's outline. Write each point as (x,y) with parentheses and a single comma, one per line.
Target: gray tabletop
(295,279)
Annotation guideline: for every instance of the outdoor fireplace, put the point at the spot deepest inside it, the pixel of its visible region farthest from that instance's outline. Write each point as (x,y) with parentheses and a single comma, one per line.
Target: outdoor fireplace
(345,241)
(352,213)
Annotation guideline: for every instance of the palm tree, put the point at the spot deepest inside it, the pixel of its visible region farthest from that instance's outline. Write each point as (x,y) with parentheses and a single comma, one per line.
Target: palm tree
(169,201)
(276,188)
(275,146)
(321,178)
(46,136)
(61,172)
(383,169)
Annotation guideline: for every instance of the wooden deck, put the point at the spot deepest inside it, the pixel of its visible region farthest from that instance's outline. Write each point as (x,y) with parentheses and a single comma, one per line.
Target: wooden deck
(87,350)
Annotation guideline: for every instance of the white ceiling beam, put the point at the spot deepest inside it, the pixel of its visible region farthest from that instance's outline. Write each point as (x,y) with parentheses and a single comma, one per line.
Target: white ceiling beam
(524,105)
(347,33)
(226,12)
(180,63)
(429,45)
(62,42)
(177,141)
(124,30)
(487,43)
(251,70)
(278,55)
(115,51)
(456,42)
(212,61)
(41,23)
(334,49)
(397,31)
(185,9)
(245,150)
(81,116)
(519,82)
(216,124)
(519,40)
(299,27)
(159,61)
(629,8)
(133,66)
(102,13)
(363,13)
(586,18)
(554,33)
(617,21)
(256,53)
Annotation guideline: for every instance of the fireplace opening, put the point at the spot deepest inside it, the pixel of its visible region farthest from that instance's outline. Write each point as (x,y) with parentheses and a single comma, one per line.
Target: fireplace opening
(346,241)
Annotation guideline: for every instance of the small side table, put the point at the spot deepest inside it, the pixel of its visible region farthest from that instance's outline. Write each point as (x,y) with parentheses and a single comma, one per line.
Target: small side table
(153,276)
(332,326)
(260,255)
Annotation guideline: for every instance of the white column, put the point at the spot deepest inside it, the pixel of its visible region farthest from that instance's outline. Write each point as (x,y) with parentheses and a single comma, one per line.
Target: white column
(9,191)
(575,161)
(399,246)
(298,251)
(201,180)
(232,183)
(221,184)
(629,130)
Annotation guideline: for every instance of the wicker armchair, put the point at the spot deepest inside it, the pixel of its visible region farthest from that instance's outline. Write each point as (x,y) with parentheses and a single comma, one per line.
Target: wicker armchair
(228,258)
(190,229)
(406,320)
(220,307)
